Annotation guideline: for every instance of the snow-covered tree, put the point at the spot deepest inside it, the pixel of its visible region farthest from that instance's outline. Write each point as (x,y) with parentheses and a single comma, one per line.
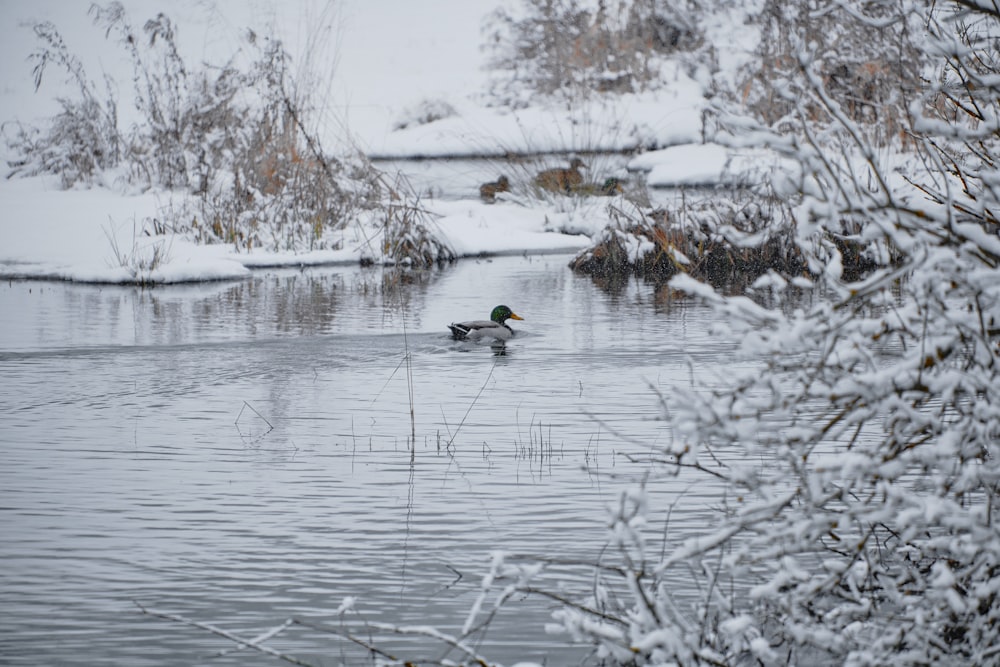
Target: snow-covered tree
(862,452)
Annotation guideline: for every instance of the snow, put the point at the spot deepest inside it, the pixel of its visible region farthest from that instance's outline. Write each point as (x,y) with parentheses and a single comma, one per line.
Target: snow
(370,73)
(710,164)
(69,235)
(473,229)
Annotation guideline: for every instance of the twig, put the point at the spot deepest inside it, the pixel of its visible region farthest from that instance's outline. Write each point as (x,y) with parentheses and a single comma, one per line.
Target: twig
(420,631)
(474,401)
(243,643)
(247,405)
(323,627)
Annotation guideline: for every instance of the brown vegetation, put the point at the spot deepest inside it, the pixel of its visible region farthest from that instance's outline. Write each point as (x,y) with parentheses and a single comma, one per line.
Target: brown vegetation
(257,175)
(715,241)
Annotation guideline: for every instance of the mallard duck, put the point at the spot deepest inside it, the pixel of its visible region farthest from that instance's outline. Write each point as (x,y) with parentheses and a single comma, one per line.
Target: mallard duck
(561,180)
(488,191)
(611,187)
(493,328)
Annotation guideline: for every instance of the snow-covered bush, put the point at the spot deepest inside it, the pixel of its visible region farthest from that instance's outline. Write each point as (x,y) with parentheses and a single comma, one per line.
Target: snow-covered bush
(737,234)
(861,454)
(239,140)
(407,229)
(426,111)
(83,139)
(727,241)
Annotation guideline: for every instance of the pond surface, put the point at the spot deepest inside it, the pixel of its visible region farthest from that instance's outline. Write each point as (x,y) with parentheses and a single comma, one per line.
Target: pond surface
(241,453)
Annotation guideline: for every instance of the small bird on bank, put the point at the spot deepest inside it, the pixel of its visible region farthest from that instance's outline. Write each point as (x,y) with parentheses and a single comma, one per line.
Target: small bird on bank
(494,328)
(562,180)
(488,191)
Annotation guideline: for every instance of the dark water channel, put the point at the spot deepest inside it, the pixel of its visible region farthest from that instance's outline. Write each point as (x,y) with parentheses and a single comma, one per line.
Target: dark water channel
(239,453)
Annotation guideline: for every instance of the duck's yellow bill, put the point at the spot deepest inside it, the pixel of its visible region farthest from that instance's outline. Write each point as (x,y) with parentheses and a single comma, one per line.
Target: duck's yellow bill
(515,316)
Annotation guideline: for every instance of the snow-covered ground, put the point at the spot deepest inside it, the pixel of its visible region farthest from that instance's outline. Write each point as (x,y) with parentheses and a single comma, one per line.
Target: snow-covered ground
(373,62)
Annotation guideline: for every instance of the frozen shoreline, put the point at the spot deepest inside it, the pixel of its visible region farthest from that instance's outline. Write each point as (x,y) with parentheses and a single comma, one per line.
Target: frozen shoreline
(96,235)
(82,236)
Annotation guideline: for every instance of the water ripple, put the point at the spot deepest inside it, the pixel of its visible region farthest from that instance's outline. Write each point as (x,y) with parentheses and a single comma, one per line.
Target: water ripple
(240,454)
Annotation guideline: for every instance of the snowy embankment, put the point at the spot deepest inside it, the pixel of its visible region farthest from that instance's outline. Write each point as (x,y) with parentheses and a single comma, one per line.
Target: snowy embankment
(102,234)
(96,235)
(99,234)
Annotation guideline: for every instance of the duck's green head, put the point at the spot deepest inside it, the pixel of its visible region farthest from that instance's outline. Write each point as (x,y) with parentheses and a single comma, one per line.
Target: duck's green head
(501,314)
(612,186)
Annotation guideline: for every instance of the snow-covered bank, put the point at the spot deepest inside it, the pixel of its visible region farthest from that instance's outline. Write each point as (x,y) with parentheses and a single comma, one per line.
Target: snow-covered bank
(709,164)
(100,234)
(97,235)
(627,122)
(73,235)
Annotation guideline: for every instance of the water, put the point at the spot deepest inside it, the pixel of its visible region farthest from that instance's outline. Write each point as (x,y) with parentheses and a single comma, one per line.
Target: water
(240,453)
(461,178)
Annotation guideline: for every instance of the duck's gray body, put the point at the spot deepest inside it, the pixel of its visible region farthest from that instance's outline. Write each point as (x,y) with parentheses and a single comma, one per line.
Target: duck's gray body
(494,328)
(480,329)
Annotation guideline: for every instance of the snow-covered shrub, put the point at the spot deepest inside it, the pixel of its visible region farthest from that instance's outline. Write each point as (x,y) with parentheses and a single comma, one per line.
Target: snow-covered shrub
(427,111)
(567,49)
(408,235)
(260,177)
(83,139)
(725,241)
(238,139)
(869,69)
(861,453)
